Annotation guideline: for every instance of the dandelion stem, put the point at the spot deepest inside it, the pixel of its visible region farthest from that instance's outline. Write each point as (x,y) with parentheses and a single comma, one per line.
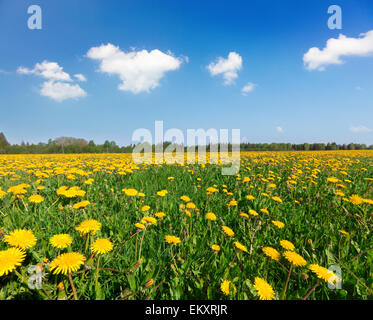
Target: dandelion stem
(312,290)
(287,282)
(97,270)
(72,286)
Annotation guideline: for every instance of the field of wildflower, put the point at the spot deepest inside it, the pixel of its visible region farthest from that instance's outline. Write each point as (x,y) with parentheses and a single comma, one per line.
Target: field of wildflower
(289,225)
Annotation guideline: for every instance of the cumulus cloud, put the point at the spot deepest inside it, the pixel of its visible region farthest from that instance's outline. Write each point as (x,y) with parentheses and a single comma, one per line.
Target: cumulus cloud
(48,70)
(248,88)
(360,129)
(138,70)
(60,91)
(316,59)
(279,129)
(80,77)
(58,85)
(227,67)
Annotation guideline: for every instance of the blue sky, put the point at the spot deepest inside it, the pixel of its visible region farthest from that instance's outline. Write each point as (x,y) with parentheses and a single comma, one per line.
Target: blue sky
(289,101)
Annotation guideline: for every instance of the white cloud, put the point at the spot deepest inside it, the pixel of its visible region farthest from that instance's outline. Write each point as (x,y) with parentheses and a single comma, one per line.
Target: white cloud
(57,86)
(80,77)
(227,67)
(360,129)
(60,91)
(48,70)
(337,48)
(139,70)
(248,88)
(279,129)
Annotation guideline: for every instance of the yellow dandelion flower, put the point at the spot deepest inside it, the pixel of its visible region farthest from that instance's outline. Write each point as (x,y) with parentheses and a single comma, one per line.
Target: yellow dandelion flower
(21,238)
(190,205)
(101,246)
(61,241)
(264,289)
(355,199)
(240,246)
(148,220)
(36,198)
(225,287)
(67,262)
(250,197)
(145,208)
(244,215)
(185,198)
(323,273)
(278,224)
(139,226)
(287,245)
(272,253)
(295,259)
(10,259)
(264,210)
(253,213)
(130,192)
(210,216)
(160,215)
(81,204)
(172,239)
(228,231)
(277,199)
(215,247)
(88,226)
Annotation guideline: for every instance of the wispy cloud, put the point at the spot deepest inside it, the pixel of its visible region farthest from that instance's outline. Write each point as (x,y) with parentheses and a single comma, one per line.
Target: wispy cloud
(360,129)
(227,67)
(279,129)
(58,85)
(248,88)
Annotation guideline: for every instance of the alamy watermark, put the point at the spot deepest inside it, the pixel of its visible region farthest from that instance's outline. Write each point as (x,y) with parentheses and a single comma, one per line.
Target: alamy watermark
(335,20)
(180,150)
(35,20)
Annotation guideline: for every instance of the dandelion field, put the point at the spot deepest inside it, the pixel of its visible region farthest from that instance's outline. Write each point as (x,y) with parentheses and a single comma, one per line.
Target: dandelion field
(101,227)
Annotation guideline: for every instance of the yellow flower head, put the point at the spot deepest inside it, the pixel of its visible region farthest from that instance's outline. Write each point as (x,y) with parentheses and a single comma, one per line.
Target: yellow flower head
(264,289)
(355,199)
(185,198)
(172,239)
(215,247)
(101,246)
(228,231)
(225,287)
(277,199)
(130,192)
(211,216)
(139,225)
(324,274)
(253,213)
(149,220)
(240,246)
(295,259)
(67,262)
(88,226)
(160,215)
(278,224)
(10,259)
(272,253)
(287,245)
(61,241)
(21,238)
(81,204)
(145,208)
(36,198)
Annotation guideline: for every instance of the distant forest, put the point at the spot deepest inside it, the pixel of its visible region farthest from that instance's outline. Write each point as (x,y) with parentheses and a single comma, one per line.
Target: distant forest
(75,145)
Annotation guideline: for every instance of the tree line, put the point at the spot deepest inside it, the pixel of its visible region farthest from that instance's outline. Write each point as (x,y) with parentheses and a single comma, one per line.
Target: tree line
(75,145)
